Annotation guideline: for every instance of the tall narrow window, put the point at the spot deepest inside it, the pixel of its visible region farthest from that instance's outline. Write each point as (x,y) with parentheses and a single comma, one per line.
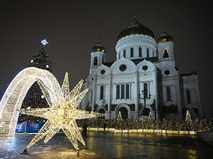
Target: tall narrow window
(127,91)
(122,91)
(131,52)
(188,97)
(147,53)
(102,92)
(95,61)
(124,53)
(118,92)
(165,53)
(168,92)
(145,86)
(140,52)
(145,90)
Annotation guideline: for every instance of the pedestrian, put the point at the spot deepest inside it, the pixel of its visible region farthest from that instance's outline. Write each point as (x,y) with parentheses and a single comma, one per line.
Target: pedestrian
(84,133)
(104,126)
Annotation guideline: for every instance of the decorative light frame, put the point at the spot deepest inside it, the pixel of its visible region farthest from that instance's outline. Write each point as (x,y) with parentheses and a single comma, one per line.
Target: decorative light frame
(63,104)
(14,95)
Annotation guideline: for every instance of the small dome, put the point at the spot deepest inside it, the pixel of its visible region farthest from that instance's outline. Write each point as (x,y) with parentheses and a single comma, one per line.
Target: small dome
(135,28)
(98,47)
(164,37)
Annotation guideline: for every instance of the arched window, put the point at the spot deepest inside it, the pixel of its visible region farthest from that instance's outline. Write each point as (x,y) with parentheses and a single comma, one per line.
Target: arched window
(188,97)
(140,52)
(95,61)
(165,53)
(102,92)
(124,53)
(147,53)
(168,92)
(131,52)
(118,92)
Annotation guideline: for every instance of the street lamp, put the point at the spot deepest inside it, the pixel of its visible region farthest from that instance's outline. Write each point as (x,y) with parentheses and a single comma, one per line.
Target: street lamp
(145,96)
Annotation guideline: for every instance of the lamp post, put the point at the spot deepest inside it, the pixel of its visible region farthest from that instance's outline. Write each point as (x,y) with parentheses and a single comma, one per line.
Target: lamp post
(145,96)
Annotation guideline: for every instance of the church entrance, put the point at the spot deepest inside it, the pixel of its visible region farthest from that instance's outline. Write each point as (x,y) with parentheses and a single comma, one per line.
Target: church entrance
(124,112)
(103,112)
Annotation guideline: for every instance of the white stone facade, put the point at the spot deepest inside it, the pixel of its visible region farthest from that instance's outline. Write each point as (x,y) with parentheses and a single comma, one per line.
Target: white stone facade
(141,66)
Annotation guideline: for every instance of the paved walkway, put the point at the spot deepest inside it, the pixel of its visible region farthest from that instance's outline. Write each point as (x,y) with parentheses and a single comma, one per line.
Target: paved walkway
(107,145)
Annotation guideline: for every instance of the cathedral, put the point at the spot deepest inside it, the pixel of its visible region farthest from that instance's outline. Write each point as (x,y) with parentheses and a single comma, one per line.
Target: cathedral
(142,79)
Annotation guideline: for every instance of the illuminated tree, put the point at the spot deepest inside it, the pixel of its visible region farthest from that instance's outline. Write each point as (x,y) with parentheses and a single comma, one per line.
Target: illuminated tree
(41,60)
(150,118)
(34,97)
(119,116)
(188,117)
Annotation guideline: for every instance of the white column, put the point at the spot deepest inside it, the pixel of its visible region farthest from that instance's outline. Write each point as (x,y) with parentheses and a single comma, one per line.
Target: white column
(177,89)
(117,55)
(136,95)
(94,92)
(156,93)
(136,52)
(144,52)
(128,55)
(85,99)
(109,99)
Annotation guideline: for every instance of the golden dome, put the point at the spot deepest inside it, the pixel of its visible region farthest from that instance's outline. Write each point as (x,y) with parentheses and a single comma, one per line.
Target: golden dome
(98,47)
(164,37)
(135,28)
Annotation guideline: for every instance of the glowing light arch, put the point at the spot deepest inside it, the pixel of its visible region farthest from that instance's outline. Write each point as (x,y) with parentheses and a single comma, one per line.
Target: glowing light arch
(14,95)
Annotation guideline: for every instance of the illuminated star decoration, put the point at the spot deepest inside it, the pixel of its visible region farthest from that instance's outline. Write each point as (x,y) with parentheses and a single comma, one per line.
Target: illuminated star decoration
(44,42)
(61,114)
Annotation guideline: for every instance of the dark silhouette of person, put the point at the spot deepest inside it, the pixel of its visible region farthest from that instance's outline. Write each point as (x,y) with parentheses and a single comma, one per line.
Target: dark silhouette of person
(84,133)
(104,126)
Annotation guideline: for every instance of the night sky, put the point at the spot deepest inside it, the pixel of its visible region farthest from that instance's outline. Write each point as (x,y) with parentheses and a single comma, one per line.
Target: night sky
(72,26)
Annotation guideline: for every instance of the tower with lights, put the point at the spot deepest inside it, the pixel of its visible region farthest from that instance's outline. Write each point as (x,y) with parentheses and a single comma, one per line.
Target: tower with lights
(34,97)
(97,56)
